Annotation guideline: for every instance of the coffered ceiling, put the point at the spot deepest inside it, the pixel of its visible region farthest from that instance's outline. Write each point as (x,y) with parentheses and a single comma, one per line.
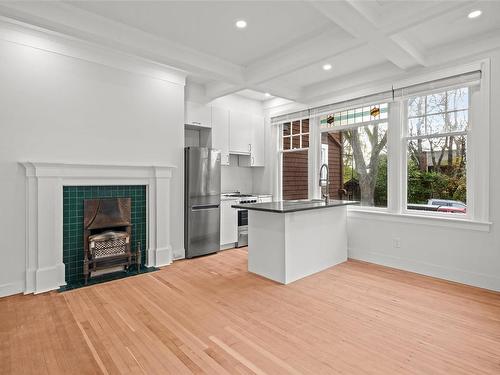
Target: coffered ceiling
(285,44)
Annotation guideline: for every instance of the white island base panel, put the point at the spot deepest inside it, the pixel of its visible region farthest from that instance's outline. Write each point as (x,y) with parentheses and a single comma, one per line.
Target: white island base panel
(285,247)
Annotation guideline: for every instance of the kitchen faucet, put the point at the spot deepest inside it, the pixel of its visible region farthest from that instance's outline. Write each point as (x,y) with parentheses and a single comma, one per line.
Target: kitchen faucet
(325,182)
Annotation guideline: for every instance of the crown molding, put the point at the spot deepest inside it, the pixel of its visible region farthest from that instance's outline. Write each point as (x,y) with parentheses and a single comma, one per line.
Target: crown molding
(21,33)
(75,23)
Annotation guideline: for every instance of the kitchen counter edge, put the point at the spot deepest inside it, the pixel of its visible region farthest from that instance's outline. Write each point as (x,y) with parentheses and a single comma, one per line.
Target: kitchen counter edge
(284,207)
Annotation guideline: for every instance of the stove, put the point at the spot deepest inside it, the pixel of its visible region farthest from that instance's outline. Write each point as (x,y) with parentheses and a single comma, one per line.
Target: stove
(242,215)
(243,198)
(236,194)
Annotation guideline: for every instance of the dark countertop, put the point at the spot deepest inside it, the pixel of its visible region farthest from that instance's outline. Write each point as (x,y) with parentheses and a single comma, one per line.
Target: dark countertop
(284,207)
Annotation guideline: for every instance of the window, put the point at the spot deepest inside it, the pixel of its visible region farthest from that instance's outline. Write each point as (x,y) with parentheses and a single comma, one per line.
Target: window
(436,141)
(356,143)
(295,159)
(295,135)
(432,163)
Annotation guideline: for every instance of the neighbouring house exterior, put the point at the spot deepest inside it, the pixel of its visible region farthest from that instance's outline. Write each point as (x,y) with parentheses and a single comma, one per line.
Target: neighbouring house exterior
(295,169)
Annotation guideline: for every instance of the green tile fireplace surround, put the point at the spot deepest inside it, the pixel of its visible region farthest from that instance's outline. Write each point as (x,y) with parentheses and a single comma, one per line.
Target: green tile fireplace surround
(73,197)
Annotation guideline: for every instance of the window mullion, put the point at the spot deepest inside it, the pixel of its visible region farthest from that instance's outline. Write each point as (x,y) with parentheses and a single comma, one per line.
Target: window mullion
(403,155)
(436,135)
(393,158)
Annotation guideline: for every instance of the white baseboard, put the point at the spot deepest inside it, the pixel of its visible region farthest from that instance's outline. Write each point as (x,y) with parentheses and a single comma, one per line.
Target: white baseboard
(50,278)
(179,254)
(490,282)
(11,288)
(159,257)
(228,246)
(163,256)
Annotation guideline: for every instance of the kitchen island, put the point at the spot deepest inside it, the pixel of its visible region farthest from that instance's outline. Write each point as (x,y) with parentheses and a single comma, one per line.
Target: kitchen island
(289,240)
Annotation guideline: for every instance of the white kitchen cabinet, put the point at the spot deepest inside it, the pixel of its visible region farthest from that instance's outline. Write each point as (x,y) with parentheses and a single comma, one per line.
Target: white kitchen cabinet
(228,222)
(198,115)
(257,149)
(240,132)
(258,142)
(220,133)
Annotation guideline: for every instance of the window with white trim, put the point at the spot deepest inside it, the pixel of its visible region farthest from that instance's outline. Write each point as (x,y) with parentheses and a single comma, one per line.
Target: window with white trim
(356,142)
(436,146)
(428,141)
(294,147)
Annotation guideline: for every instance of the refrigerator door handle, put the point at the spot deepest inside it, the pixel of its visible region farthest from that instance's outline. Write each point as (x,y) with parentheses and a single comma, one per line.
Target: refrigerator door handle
(205,207)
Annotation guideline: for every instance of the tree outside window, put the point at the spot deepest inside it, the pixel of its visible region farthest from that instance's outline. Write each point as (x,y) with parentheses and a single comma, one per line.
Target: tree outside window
(437,151)
(363,150)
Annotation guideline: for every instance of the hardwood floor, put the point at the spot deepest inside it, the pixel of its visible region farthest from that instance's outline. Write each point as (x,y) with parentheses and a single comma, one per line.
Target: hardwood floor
(209,315)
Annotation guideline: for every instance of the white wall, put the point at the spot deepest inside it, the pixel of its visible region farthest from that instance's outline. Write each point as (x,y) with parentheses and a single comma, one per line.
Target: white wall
(59,108)
(459,254)
(455,253)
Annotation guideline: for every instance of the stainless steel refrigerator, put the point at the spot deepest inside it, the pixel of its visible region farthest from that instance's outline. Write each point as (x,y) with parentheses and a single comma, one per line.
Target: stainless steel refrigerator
(202,201)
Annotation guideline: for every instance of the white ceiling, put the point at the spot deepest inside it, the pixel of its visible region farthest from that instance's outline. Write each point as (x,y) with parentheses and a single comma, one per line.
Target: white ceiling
(209,26)
(286,42)
(255,95)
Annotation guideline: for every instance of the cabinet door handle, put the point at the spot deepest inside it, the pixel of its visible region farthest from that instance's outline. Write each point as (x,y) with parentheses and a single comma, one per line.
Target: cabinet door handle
(250,147)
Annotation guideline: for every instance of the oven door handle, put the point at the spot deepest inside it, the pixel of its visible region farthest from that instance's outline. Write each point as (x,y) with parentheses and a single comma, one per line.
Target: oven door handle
(205,207)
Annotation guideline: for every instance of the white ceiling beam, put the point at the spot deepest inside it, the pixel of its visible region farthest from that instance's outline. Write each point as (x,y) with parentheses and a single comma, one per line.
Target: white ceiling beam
(279,90)
(400,24)
(348,84)
(314,51)
(214,90)
(348,16)
(478,45)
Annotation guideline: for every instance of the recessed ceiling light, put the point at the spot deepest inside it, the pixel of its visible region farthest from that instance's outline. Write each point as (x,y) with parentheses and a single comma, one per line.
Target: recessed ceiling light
(241,24)
(327,66)
(267,94)
(474,14)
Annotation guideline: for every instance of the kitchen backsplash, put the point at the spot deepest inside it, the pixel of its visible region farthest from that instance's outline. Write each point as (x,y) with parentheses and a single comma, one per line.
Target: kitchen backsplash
(235,178)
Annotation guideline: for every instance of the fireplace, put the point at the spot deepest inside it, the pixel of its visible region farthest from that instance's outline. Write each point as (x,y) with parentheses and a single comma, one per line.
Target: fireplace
(54,235)
(107,236)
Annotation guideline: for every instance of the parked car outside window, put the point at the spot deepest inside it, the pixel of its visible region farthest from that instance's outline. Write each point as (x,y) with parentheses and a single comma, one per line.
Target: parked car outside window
(447,203)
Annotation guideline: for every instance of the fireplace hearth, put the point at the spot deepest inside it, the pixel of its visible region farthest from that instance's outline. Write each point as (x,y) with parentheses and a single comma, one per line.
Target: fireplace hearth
(107,236)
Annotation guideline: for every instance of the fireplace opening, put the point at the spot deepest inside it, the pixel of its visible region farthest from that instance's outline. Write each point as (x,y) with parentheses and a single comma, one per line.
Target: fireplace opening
(107,235)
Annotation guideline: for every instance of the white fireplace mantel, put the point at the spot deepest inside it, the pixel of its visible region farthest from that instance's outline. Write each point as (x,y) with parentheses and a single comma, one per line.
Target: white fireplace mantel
(44,213)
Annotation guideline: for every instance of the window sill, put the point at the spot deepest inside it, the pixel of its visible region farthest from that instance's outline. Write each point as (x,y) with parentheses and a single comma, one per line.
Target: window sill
(408,218)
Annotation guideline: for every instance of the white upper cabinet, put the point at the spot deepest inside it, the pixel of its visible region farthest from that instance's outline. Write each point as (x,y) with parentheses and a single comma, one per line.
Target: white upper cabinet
(198,115)
(220,133)
(258,142)
(240,133)
(232,132)
(257,149)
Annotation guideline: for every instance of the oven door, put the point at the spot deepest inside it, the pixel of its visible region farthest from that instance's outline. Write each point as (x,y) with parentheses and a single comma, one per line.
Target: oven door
(242,228)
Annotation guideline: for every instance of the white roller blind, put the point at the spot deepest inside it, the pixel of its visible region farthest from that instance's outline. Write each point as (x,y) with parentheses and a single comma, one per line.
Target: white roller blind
(289,117)
(461,80)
